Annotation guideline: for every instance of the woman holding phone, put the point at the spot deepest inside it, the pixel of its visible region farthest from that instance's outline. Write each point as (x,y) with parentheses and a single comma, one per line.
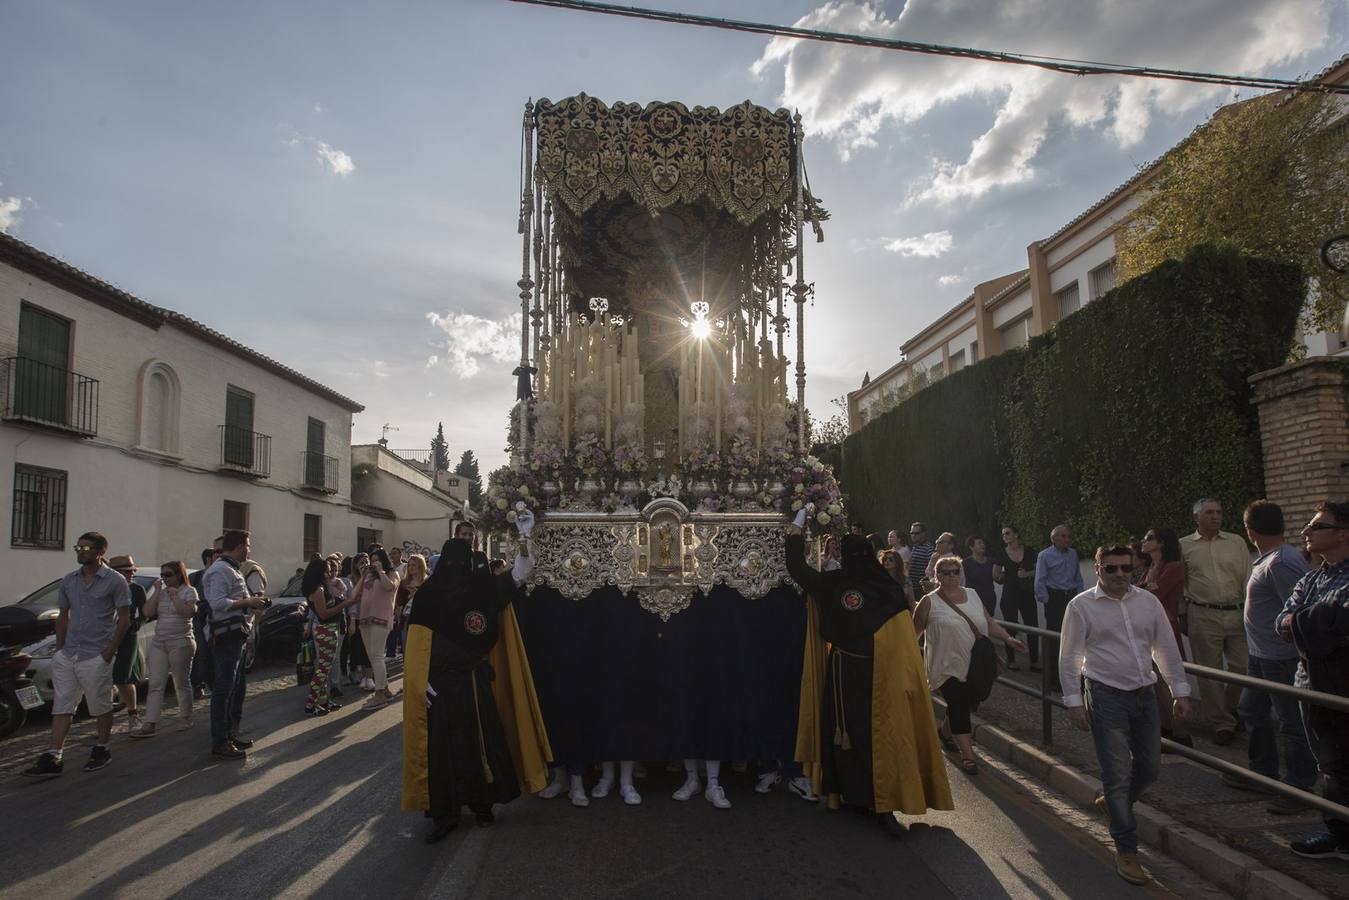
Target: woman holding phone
(376,592)
(325,612)
(173,601)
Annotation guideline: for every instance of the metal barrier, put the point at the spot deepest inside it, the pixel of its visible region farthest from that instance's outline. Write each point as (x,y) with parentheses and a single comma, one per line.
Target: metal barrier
(1273,786)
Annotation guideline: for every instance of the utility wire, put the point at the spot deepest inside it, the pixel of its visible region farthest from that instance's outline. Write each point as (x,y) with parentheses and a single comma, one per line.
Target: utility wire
(1053,64)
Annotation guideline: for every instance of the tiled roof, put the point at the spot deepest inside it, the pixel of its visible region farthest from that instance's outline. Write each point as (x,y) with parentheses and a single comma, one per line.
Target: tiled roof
(64,275)
(1017,284)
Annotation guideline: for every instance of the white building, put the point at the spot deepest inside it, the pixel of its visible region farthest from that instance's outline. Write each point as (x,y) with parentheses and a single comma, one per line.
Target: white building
(406,506)
(122,417)
(1064,272)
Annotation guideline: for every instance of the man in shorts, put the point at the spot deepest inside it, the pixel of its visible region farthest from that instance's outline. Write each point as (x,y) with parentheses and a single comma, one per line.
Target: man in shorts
(95,613)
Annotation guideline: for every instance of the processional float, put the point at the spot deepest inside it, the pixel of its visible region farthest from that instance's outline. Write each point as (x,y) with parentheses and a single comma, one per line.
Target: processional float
(655,426)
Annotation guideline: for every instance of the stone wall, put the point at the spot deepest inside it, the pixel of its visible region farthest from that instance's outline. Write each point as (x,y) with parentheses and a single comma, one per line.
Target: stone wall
(1304,432)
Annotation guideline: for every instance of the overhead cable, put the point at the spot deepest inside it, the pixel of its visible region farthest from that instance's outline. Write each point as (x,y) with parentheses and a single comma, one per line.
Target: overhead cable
(1053,64)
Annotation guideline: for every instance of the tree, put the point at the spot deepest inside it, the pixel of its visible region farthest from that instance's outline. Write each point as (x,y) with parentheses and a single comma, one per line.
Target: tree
(440,450)
(468,469)
(1268,175)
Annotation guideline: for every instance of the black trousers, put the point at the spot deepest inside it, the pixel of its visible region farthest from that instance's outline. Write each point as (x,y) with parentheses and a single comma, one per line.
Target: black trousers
(1054,610)
(1018,604)
(960,705)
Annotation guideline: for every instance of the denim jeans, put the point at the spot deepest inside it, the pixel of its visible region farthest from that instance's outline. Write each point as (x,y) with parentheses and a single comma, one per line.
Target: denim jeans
(1127,732)
(1254,710)
(227,690)
(1328,734)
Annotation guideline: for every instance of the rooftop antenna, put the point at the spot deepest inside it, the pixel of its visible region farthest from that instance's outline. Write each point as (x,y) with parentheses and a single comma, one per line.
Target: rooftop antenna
(384,436)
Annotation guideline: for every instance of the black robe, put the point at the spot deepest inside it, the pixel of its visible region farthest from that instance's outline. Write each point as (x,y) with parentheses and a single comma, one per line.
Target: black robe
(455,623)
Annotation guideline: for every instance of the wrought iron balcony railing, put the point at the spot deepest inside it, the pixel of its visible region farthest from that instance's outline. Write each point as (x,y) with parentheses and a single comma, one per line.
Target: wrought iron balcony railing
(42,394)
(245,452)
(320,472)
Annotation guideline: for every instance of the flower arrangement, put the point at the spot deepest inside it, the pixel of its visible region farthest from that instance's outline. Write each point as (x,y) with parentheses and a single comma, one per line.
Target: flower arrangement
(629,459)
(703,460)
(811,481)
(590,457)
(506,487)
(743,460)
(546,461)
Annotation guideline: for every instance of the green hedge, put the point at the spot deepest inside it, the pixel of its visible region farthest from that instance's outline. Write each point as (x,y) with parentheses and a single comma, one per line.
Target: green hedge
(1114,421)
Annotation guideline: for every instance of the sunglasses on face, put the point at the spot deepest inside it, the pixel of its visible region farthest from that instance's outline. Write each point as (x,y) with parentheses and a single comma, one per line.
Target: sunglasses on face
(948,571)
(1126,568)
(1323,526)
(168,574)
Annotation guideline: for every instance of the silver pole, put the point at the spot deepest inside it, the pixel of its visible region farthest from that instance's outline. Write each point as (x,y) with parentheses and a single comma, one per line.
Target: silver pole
(800,289)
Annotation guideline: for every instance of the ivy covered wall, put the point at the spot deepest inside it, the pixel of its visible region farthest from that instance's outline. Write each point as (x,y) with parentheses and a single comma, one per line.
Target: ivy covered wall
(1114,421)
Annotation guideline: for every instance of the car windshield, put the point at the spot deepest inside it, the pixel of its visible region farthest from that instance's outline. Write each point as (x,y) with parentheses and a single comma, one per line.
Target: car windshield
(44,598)
(292,588)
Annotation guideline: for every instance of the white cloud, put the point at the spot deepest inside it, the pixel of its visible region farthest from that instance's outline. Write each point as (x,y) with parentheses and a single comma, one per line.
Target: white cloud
(10,207)
(337,161)
(318,107)
(469,340)
(948,280)
(931,245)
(850,95)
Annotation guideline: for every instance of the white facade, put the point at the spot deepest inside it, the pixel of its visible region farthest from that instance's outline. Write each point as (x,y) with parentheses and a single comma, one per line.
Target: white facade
(152,476)
(416,514)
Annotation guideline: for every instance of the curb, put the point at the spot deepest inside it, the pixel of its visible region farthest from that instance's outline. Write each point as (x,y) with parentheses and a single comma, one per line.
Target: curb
(1231,870)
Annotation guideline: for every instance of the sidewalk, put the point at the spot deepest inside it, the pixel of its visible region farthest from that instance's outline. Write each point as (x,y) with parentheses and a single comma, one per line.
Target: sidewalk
(1188,792)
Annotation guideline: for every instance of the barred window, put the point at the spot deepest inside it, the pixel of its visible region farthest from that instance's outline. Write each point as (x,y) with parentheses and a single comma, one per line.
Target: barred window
(39,508)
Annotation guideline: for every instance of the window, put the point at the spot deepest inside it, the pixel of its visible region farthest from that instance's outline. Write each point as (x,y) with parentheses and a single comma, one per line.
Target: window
(313,457)
(974,353)
(956,361)
(39,508)
(40,382)
(238,438)
(1015,334)
(313,536)
(236,516)
(1068,299)
(1102,279)
(367,536)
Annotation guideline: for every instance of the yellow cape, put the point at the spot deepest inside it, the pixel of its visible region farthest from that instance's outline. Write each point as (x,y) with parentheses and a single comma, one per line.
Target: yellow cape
(908,769)
(516,699)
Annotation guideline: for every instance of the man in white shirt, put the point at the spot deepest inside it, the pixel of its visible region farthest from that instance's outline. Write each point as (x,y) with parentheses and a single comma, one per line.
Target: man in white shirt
(1112,634)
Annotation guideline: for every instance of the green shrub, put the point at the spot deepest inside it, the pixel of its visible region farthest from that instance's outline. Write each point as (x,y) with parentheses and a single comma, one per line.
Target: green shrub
(1115,420)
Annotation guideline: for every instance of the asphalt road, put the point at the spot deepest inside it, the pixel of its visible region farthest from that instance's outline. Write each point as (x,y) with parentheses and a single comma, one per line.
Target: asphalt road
(315,808)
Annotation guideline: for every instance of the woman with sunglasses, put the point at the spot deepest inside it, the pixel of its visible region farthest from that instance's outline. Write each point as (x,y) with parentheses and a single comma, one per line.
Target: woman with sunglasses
(173,601)
(949,617)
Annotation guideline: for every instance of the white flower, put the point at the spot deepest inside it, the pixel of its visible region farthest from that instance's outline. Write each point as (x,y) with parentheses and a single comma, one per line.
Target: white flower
(817,467)
(510,516)
(796,504)
(835,509)
(501,503)
(823,518)
(800,489)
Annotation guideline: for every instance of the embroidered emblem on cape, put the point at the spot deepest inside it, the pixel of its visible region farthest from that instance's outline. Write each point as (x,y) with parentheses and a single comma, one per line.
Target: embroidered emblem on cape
(475,623)
(852,600)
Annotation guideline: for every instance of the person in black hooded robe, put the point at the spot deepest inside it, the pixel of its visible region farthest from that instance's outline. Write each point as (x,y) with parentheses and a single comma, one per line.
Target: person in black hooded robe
(872,744)
(460,757)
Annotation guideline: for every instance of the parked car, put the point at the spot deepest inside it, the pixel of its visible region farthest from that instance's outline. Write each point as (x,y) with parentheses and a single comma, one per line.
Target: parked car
(41,606)
(280,628)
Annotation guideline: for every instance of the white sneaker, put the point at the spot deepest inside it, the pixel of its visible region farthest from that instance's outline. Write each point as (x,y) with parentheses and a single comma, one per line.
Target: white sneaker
(133,724)
(801,787)
(691,786)
(368,684)
(579,798)
(630,795)
(717,797)
(767,781)
(602,788)
(555,787)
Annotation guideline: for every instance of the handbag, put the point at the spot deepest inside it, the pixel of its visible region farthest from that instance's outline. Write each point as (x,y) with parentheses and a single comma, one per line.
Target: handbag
(983,669)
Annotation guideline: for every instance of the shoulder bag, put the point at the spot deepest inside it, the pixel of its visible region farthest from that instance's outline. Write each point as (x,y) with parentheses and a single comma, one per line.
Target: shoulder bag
(983,669)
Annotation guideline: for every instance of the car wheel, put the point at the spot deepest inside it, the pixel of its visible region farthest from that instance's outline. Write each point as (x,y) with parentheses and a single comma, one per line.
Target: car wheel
(12,714)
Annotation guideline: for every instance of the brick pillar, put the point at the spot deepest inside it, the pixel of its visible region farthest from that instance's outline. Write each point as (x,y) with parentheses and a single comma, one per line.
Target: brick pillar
(1304,435)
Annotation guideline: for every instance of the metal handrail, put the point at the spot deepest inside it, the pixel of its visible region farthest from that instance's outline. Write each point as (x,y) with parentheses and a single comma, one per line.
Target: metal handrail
(1273,786)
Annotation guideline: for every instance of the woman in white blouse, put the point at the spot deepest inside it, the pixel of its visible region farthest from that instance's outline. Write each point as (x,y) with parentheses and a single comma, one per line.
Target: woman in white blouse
(173,602)
(945,616)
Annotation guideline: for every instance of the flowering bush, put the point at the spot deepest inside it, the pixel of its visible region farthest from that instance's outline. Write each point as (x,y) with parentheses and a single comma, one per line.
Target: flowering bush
(506,487)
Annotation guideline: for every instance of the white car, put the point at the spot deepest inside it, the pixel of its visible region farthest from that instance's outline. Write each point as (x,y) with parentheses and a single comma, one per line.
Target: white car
(43,603)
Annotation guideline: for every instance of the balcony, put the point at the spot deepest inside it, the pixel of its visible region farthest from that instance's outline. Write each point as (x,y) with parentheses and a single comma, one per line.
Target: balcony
(245,452)
(40,394)
(320,472)
(419,458)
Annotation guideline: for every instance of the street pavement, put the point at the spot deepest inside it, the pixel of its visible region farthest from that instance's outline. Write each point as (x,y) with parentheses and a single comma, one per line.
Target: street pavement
(316,808)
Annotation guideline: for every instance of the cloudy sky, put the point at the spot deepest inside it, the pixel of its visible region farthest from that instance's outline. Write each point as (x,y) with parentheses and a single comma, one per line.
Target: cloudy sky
(335,183)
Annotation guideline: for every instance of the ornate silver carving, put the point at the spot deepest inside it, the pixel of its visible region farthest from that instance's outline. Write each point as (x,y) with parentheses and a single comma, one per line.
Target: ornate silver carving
(663,553)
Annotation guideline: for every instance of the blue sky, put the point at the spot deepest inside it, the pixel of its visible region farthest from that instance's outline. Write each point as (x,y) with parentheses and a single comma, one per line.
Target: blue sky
(316,179)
